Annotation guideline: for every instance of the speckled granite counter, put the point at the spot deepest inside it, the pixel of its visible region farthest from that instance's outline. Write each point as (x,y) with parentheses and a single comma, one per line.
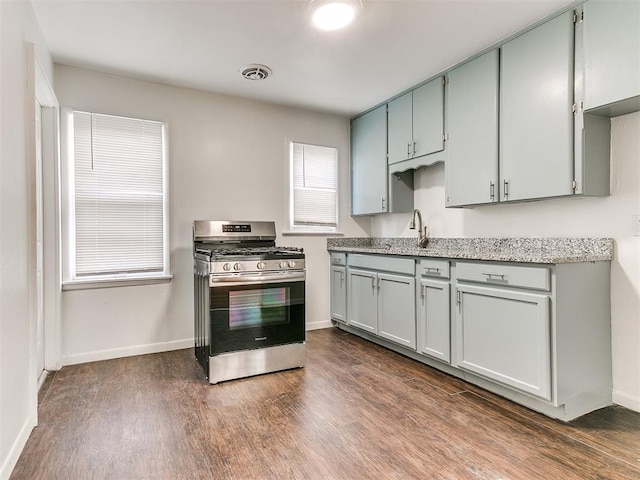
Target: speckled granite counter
(527,250)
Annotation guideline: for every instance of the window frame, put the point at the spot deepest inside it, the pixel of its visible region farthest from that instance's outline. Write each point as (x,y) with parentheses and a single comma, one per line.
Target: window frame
(71,281)
(311,229)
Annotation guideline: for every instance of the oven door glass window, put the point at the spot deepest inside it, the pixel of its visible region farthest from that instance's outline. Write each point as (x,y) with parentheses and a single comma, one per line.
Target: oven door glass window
(246,317)
(256,307)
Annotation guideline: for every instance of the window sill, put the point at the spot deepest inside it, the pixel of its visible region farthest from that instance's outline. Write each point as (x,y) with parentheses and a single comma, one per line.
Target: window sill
(114,282)
(312,233)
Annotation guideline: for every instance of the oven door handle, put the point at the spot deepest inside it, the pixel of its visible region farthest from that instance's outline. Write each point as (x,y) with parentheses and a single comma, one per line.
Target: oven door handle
(252,279)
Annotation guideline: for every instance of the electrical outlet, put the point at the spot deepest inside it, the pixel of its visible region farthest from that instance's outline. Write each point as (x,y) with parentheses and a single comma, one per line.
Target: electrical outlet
(636,225)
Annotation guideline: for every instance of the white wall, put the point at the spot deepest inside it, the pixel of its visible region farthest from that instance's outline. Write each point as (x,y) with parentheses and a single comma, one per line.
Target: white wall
(17,380)
(572,217)
(228,160)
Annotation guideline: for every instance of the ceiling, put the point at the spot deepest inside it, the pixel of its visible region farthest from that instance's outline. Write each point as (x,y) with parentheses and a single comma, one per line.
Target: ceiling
(392,45)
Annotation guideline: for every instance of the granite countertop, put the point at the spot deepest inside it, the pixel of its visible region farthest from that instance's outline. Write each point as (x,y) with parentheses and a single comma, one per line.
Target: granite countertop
(527,250)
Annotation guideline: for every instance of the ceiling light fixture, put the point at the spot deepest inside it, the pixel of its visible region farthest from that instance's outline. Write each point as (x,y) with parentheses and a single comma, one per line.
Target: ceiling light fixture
(333,14)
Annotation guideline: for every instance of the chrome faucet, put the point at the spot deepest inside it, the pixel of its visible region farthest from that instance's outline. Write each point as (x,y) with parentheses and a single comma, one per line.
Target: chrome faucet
(422,237)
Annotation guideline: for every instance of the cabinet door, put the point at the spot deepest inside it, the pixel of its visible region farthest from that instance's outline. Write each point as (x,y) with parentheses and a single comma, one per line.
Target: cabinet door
(505,336)
(428,118)
(397,309)
(362,299)
(369,163)
(536,116)
(434,319)
(338,294)
(471,169)
(612,51)
(400,128)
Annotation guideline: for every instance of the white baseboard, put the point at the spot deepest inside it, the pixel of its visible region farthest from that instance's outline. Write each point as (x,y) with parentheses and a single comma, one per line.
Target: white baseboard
(133,350)
(112,353)
(16,449)
(318,325)
(631,402)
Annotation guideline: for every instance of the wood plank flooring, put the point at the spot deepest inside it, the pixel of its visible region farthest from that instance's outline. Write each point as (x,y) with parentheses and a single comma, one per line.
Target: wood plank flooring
(356,411)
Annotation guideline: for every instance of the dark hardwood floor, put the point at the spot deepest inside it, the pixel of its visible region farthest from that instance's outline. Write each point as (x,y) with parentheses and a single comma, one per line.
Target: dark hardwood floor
(356,411)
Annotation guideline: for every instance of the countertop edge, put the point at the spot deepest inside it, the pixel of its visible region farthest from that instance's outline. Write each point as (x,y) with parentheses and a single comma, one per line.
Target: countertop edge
(602,250)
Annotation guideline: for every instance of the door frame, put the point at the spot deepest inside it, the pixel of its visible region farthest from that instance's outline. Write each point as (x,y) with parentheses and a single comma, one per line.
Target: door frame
(40,91)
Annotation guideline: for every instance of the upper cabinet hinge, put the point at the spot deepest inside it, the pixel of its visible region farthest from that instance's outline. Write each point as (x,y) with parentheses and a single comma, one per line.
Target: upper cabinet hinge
(574,184)
(578,17)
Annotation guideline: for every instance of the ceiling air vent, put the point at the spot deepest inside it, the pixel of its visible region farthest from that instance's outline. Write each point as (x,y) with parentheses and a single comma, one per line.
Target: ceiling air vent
(255,72)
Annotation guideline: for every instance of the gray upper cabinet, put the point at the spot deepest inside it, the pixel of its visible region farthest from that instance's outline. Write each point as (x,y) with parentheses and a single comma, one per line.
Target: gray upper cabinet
(416,122)
(369,163)
(536,112)
(612,55)
(471,169)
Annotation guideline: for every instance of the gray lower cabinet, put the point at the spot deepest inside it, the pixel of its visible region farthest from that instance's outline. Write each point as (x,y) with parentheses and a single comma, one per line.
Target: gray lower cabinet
(338,287)
(396,309)
(433,319)
(362,299)
(380,300)
(542,332)
(536,112)
(538,334)
(504,335)
(471,169)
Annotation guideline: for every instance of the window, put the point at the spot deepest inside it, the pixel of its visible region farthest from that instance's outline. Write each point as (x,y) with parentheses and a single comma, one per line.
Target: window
(313,191)
(115,205)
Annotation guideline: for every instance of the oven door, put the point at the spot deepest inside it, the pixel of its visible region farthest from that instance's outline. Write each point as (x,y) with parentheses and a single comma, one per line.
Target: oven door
(250,312)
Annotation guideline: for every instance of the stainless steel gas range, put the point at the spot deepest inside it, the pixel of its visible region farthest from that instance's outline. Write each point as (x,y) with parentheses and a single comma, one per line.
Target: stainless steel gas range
(249,300)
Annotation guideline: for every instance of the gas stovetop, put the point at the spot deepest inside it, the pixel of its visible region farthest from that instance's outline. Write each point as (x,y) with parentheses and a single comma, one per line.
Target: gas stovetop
(224,252)
(237,247)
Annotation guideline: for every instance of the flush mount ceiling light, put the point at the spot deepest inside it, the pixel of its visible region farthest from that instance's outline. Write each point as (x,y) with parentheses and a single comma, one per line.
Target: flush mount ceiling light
(333,14)
(255,71)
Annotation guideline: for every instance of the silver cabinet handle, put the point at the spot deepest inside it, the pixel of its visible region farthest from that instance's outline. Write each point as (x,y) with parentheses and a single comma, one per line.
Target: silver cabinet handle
(492,192)
(490,275)
(414,148)
(373,282)
(433,269)
(378,283)
(382,204)
(506,189)
(341,278)
(422,293)
(408,149)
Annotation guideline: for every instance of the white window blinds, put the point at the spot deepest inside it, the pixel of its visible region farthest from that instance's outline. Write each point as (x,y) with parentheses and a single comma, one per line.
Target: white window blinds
(314,186)
(118,195)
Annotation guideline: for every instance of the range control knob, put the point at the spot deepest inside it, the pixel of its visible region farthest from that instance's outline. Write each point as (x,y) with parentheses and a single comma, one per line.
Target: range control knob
(261,265)
(283,264)
(292,264)
(226,267)
(236,266)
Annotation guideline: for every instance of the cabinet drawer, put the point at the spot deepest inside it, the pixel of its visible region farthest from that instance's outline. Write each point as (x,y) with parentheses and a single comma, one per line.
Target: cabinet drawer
(430,267)
(537,278)
(338,259)
(384,263)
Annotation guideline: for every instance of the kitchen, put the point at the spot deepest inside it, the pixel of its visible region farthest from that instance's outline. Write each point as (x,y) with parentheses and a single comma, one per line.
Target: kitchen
(206,126)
